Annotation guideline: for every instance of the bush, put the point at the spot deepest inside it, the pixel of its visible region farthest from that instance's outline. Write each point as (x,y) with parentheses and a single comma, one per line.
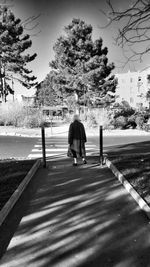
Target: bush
(33,118)
(95,117)
(120,122)
(123,109)
(89,119)
(131,123)
(15,114)
(141,119)
(11,113)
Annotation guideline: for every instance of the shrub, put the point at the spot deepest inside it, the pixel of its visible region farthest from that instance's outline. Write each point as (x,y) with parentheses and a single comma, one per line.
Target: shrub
(124,110)
(11,113)
(68,118)
(96,117)
(141,119)
(17,115)
(33,119)
(131,123)
(120,122)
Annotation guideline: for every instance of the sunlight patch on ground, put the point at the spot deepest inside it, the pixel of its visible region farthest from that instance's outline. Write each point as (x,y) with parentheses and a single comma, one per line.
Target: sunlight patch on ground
(79,226)
(68,182)
(39,214)
(68,200)
(29,238)
(76,259)
(37,256)
(125,263)
(93,184)
(84,254)
(116,194)
(100,227)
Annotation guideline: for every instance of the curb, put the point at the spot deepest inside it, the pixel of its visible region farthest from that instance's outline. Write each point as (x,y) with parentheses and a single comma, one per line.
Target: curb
(141,202)
(15,196)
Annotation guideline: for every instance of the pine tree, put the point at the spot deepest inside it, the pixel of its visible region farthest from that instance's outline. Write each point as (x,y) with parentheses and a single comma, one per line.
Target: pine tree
(47,93)
(13,60)
(82,65)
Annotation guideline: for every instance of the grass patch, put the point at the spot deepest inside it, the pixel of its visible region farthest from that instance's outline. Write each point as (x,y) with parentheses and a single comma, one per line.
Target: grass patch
(136,170)
(11,175)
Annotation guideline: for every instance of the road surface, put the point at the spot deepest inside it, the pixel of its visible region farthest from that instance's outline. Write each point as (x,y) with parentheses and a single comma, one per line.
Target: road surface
(12,146)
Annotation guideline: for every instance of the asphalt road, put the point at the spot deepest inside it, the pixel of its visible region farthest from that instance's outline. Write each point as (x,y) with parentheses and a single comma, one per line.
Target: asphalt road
(13,146)
(117,145)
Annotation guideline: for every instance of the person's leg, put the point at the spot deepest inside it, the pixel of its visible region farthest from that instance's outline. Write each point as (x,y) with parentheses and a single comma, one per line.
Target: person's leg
(74,157)
(84,160)
(83,153)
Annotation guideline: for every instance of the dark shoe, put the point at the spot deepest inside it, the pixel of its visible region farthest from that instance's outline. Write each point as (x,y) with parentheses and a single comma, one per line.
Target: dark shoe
(74,164)
(84,162)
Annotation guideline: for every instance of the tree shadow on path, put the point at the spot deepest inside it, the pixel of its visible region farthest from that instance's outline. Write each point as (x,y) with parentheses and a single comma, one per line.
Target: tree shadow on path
(132,148)
(80,216)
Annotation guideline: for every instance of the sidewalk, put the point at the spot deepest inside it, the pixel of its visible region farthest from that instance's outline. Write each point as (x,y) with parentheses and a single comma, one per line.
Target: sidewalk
(79,216)
(62,130)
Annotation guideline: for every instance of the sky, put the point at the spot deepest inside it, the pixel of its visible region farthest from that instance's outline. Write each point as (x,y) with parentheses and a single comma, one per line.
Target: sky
(55,15)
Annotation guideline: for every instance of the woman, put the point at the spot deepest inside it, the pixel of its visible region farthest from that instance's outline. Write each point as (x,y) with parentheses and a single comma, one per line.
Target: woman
(77,139)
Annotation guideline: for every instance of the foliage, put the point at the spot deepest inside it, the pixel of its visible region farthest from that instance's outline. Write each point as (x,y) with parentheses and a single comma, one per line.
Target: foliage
(96,117)
(33,120)
(70,102)
(131,122)
(123,109)
(81,66)
(46,94)
(11,114)
(131,118)
(15,114)
(120,122)
(141,119)
(123,116)
(13,59)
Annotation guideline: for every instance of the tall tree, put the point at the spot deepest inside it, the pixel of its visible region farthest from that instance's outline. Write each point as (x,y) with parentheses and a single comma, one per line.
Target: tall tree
(133,28)
(13,60)
(82,65)
(47,93)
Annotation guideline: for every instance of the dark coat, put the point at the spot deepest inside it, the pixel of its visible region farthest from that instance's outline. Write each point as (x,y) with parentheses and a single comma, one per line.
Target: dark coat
(77,138)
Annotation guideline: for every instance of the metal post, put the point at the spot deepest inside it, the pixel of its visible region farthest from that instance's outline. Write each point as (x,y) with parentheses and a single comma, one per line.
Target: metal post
(43,146)
(101,144)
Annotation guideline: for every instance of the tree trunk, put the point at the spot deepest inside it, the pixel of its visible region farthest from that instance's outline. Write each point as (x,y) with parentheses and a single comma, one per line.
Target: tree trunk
(1,82)
(76,106)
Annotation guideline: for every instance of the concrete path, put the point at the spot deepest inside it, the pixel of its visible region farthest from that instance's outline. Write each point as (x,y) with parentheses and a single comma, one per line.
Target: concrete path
(79,216)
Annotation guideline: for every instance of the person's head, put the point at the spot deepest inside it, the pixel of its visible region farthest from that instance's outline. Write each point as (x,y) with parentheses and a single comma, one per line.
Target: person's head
(76,117)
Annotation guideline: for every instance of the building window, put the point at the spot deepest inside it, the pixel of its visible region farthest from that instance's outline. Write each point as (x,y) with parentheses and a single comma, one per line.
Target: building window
(131,80)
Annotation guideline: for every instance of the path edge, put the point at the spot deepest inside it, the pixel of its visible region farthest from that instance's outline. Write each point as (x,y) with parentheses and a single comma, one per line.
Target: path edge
(18,192)
(140,201)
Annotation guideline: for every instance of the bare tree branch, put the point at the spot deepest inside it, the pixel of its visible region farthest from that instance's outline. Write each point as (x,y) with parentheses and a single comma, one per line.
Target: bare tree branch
(31,24)
(134,28)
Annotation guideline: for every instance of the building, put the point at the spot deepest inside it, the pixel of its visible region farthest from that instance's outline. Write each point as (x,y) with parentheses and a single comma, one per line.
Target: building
(133,87)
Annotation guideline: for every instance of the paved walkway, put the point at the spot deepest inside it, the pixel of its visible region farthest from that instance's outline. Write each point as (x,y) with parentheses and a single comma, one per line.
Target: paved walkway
(79,216)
